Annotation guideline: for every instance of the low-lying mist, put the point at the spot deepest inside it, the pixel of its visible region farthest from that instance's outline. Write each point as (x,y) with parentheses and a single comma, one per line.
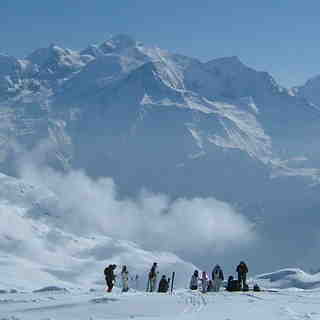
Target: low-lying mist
(156,222)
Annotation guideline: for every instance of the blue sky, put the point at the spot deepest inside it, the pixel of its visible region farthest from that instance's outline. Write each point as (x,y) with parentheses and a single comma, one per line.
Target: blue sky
(278,36)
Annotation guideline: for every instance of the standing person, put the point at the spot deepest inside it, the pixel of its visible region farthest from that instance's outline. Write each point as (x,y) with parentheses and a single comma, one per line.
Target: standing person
(125,279)
(242,271)
(137,281)
(107,278)
(110,276)
(204,282)
(163,284)
(152,277)
(217,278)
(194,280)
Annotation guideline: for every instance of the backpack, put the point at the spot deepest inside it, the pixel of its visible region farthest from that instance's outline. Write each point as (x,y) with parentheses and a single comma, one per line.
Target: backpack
(233,285)
(256,288)
(152,273)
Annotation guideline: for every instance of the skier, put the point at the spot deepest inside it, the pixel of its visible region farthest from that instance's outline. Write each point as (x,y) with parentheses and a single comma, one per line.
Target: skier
(125,279)
(163,284)
(204,282)
(194,280)
(152,277)
(110,276)
(242,271)
(217,278)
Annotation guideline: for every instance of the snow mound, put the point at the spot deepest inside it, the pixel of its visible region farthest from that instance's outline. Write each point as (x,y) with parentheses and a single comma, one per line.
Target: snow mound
(50,289)
(289,278)
(103,300)
(11,291)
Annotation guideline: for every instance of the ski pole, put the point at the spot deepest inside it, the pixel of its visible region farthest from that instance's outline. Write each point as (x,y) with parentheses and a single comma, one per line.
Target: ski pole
(172,280)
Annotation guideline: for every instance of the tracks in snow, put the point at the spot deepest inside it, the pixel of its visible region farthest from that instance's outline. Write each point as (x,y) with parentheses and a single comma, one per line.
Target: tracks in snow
(194,302)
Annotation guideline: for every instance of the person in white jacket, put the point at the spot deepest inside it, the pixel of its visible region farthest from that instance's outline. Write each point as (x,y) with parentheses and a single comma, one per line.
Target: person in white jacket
(204,281)
(125,279)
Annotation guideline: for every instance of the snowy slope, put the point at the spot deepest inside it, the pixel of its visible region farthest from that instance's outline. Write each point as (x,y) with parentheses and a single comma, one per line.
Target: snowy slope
(53,273)
(84,305)
(38,250)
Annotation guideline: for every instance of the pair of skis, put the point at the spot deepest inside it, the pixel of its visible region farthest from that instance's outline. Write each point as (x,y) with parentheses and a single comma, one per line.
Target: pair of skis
(172,282)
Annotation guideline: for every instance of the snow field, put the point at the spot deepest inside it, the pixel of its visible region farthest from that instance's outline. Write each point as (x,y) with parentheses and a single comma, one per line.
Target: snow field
(78,304)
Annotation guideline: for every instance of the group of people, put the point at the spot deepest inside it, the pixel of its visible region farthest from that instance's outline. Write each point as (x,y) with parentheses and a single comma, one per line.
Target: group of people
(214,284)
(110,277)
(197,281)
(207,284)
(153,275)
(152,280)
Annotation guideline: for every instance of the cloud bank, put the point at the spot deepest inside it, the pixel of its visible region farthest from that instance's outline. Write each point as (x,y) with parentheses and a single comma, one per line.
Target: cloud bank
(90,206)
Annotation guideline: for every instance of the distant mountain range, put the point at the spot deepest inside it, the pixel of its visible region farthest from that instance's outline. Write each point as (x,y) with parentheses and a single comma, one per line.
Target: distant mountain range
(169,123)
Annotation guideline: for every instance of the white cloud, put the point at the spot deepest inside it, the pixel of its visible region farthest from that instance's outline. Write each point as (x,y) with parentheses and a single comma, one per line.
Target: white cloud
(156,222)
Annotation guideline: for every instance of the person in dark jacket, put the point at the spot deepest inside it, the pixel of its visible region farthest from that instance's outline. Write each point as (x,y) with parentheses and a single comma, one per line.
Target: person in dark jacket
(110,276)
(194,280)
(152,277)
(163,284)
(242,271)
(217,278)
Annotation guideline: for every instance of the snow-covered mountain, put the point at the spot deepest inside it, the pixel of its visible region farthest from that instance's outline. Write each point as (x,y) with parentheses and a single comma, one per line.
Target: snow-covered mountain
(170,124)
(245,109)
(122,71)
